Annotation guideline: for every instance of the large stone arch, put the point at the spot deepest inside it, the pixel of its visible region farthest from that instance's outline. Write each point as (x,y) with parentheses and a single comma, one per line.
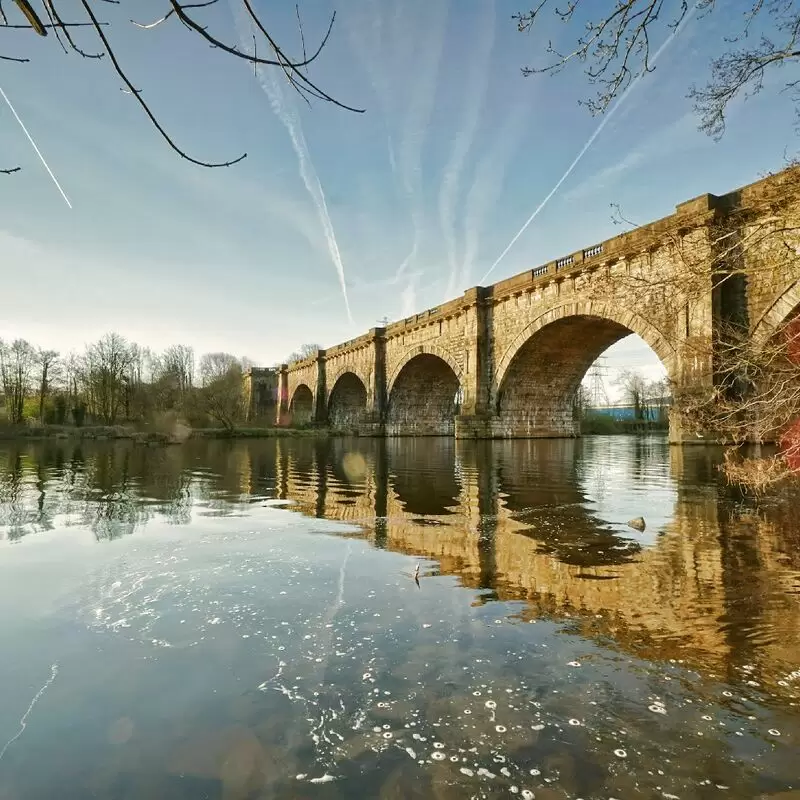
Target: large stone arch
(422,393)
(537,375)
(333,373)
(347,401)
(423,349)
(301,405)
(777,314)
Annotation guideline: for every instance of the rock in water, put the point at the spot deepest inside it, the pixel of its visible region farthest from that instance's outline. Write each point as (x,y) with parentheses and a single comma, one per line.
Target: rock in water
(637,523)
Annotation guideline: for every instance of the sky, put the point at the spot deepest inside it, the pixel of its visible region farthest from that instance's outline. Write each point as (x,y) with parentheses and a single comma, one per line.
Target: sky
(335,220)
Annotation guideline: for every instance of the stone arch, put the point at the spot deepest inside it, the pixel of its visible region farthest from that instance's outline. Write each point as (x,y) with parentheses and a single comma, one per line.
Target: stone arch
(423,349)
(347,402)
(777,314)
(301,406)
(422,392)
(538,374)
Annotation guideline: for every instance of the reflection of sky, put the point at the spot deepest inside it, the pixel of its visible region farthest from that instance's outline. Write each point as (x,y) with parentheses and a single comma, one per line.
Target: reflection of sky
(619,490)
(423,191)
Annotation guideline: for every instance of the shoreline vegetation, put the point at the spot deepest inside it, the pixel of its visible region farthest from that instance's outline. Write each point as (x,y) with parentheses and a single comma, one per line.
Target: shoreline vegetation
(130,433)
(600,426)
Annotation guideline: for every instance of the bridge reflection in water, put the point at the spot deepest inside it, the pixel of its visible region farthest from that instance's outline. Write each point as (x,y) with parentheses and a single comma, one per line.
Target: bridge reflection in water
(710,581)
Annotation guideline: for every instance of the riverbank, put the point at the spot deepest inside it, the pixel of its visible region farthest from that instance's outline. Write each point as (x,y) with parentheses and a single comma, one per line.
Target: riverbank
(177,436)
(605,425)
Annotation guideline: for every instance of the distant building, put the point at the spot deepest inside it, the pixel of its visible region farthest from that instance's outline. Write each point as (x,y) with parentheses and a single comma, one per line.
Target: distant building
(261,394)
(654,410)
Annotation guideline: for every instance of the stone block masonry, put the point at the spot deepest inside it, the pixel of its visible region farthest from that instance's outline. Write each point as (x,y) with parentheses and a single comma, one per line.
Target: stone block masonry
(504,361)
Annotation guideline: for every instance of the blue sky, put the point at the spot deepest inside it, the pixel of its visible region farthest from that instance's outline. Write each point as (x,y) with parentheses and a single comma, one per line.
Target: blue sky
(421,193)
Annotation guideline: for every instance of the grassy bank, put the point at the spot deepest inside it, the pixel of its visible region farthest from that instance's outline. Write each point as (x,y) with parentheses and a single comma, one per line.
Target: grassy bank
(124,432)
(604,425)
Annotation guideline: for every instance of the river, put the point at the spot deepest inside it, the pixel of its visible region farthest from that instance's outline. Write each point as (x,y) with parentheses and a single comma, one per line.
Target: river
(241,620)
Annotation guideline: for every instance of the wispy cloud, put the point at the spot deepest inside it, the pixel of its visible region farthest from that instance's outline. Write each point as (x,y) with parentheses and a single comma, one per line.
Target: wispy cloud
(382,37)
(423,36)
(285,111)
(665,142)
(477,81)
(590,141)
(408,298)
(487,184)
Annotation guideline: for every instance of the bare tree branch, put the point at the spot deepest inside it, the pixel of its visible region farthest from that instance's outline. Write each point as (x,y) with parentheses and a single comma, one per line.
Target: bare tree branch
(151,25)
(137,94)
(615,47)
(31,16)
(293,69)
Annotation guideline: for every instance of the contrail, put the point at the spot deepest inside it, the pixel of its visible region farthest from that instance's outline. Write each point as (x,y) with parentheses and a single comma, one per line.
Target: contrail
(307,172)
(598,130)
(310,178)
(33,145)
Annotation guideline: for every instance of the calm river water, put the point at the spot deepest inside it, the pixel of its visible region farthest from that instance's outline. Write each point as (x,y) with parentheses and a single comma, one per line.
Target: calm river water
(241,620)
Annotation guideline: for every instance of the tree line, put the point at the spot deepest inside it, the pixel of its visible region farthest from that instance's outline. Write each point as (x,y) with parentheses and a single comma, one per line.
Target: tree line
(115,380)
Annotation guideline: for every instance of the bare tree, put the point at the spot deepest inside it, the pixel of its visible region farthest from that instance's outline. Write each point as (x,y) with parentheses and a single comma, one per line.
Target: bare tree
(634,390)
(48,372)
(615,45)
(196,20)
(107,375)
(178,361)
(173,376)
(303,352)
(221,395)
(216,365)
(17,365)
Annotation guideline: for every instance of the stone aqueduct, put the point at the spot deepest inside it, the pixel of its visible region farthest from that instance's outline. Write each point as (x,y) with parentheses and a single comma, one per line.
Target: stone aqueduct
(504,361)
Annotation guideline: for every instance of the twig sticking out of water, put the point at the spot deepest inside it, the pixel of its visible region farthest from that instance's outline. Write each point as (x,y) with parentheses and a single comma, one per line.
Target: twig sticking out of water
(24,718)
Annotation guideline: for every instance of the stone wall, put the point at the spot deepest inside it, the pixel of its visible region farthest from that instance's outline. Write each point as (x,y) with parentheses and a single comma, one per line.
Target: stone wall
(261,388)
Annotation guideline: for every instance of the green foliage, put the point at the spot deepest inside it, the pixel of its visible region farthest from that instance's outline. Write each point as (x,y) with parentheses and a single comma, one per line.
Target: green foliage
(594,424)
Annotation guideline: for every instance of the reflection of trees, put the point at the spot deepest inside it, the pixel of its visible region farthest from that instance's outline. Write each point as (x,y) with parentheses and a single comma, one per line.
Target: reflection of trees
(109,502)
(113,488)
